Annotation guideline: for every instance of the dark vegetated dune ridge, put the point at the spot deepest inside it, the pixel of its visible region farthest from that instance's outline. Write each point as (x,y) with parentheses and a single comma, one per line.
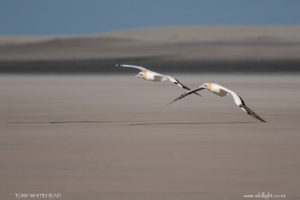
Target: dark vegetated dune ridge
(178,49)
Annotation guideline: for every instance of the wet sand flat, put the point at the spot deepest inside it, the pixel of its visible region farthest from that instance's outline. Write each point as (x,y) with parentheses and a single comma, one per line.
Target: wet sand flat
(114,137)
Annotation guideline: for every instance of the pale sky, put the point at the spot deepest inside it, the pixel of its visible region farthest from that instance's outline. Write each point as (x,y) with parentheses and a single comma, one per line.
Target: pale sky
(44,17)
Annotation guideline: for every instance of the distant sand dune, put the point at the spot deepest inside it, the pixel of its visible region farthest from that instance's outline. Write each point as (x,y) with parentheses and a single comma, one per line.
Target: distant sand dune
(191,46)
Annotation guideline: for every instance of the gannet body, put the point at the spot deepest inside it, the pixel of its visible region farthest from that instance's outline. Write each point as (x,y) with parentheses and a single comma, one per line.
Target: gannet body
(222,91)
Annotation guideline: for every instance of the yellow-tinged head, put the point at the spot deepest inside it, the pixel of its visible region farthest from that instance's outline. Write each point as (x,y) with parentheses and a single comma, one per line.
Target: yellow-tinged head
(208,85)
(144,74)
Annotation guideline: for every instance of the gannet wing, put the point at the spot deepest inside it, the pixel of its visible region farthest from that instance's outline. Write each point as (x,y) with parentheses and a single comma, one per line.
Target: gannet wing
(133,66)
(240,102)
(176,82)
(186,94)
(252,113)
(236,98)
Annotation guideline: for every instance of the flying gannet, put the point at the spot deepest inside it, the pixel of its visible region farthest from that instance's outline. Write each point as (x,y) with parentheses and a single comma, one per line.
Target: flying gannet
(222,91)
(154,76)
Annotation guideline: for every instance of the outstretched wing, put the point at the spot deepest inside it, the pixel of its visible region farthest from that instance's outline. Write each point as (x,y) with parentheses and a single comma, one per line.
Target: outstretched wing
(240,102)
(252,113)
(186,94)
(178,83)
(133,66)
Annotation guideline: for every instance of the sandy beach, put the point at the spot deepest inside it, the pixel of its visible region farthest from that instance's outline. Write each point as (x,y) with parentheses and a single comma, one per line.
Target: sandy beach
(113,137)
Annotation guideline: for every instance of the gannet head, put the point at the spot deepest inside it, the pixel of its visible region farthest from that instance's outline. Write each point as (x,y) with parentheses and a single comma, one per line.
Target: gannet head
(207,85)
(141,74)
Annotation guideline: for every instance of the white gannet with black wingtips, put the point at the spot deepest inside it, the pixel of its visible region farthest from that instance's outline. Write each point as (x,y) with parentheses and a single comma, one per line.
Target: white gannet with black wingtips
(222,91)
(154,76)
